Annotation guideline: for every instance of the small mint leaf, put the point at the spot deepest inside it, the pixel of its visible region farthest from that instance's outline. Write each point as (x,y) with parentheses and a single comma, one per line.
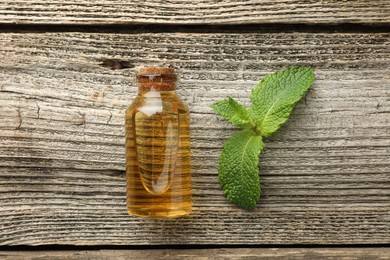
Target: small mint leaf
(238,168)
(233,111)
(275,96)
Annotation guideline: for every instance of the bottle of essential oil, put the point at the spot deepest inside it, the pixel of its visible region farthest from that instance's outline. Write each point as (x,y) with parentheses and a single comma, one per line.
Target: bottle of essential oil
(158,163)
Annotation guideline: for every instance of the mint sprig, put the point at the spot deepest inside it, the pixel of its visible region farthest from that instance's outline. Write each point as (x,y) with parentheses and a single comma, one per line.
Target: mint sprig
(272,102)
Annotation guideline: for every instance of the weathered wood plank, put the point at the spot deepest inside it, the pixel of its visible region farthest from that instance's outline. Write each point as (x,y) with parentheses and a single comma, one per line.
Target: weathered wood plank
(324,175)
(194,12)
(223,253)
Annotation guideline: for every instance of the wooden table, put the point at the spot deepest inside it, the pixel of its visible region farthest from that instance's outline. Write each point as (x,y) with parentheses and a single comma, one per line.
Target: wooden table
(66,77)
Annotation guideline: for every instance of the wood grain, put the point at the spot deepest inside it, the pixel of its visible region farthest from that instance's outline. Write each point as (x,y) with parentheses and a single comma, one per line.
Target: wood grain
(223,253)
(194,12)
(324,175)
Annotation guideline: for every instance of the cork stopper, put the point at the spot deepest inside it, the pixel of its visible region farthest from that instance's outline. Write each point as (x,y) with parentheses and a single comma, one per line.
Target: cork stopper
(156,70)
(156,78)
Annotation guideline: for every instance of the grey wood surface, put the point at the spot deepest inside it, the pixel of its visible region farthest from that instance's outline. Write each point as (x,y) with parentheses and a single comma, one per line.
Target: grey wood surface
(324,175)
(223,253)
(194,12)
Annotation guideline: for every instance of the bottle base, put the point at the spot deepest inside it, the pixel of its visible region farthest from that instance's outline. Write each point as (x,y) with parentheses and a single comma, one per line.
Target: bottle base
(148,213)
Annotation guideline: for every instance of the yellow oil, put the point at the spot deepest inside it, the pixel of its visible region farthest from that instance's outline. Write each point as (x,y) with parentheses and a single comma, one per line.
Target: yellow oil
(158,164)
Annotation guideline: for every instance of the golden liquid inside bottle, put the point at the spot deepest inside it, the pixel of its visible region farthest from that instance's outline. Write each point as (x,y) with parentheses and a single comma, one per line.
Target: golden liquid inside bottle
(158,164)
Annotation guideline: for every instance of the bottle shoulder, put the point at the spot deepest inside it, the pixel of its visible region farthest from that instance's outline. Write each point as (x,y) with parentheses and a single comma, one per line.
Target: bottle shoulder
(154,102)
(182,105)
(134,104)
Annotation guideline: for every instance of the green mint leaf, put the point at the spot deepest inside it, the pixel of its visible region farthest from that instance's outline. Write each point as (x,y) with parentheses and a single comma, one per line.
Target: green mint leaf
(233,111)
(272,102)
(238,168)
(275,96)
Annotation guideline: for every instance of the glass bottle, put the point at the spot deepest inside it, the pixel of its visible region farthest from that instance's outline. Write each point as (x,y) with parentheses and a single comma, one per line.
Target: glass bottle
(158,163)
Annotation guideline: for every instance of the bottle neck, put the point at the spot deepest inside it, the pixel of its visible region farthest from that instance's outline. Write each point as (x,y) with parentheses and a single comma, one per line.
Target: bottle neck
(145,87)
